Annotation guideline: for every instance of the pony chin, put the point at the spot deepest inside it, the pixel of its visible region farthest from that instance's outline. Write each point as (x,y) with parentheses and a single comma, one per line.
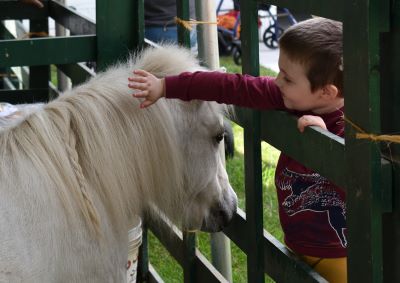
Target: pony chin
(220,216)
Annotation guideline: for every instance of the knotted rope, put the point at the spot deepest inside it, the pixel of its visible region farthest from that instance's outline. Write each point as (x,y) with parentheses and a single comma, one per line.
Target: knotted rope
(187,24)
(361,134)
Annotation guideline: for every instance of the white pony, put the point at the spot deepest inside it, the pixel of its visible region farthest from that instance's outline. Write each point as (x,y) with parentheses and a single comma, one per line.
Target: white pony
(75,171)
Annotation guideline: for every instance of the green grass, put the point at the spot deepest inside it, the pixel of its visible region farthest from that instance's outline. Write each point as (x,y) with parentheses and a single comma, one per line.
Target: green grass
(167,267)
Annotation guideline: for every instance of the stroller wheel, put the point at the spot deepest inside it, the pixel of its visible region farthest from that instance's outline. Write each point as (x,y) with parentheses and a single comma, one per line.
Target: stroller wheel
(237,55)
(271,36)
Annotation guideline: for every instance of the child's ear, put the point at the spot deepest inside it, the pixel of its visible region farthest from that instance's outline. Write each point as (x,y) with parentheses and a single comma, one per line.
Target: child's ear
(330,91)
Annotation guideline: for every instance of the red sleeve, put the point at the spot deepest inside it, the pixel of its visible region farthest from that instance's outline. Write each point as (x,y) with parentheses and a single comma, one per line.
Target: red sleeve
(240,90)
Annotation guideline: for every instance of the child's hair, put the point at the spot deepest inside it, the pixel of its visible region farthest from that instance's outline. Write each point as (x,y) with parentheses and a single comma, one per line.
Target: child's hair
(317,44)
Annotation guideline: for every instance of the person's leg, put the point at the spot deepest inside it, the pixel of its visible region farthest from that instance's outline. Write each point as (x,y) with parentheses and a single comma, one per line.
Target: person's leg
(161,34)
(332,269)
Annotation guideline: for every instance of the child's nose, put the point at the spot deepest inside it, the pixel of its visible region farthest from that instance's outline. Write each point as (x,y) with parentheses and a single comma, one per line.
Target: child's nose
(278,80)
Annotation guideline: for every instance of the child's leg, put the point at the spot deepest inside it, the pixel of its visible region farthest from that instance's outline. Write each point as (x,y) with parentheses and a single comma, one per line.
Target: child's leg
(332,269)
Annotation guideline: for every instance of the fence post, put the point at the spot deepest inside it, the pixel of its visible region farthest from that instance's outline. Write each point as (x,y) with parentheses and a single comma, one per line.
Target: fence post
(119,29)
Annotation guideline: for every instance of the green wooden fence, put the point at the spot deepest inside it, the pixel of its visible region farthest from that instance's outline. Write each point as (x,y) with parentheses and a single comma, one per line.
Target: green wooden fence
(368,170)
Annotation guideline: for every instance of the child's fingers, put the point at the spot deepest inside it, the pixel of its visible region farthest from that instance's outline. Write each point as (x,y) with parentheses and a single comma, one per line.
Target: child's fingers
(309,120)
(137,79)
(142,73)
(300,125)
(141,94)
(139,86)
(146,103)
(39,4)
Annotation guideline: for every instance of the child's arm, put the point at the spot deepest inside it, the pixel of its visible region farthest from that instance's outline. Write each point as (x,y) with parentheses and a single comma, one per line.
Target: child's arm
(241,90)
(310,120)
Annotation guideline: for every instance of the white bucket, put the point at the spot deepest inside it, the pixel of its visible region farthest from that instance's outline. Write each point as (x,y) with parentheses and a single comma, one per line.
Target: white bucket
(134,242)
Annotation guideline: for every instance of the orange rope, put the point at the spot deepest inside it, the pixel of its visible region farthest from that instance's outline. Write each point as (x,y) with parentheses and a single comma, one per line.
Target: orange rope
(188,24)
(377,138)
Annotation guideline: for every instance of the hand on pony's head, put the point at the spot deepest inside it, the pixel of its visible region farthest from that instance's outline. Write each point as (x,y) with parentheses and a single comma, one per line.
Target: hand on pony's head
(147,86)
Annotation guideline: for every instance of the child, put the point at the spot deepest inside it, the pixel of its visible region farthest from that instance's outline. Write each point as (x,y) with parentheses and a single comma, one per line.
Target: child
(311,209)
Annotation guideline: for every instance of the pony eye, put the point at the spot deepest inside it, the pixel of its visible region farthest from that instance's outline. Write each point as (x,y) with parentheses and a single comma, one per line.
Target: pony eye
(219,137)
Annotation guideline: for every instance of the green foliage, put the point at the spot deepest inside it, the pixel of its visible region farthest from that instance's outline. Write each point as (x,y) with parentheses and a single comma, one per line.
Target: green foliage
(167,267)
(231,67)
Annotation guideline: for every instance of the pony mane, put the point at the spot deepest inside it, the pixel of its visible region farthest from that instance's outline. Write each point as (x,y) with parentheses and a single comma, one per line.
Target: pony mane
(96,150)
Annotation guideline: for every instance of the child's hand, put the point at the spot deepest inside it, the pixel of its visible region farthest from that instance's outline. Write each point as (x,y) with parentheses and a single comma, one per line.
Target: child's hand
(310,120)
(149,87)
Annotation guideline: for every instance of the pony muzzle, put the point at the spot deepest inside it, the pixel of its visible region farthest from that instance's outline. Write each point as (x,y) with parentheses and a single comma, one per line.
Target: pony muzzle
(220,216)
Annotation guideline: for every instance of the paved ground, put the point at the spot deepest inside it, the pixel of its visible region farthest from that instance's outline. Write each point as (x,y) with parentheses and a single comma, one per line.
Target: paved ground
(269,57)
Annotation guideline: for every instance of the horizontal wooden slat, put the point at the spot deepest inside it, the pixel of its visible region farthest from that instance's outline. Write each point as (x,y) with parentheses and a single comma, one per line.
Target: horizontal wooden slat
(282,266)
(317,149)
(70,19)
(153,276)
(16,10)
(323,8)
(173,242)
(78,73)
(46,51)
(24,96)
(279,263)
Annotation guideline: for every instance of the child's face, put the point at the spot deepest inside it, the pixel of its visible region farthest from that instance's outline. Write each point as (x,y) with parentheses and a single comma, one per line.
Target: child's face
(295,87)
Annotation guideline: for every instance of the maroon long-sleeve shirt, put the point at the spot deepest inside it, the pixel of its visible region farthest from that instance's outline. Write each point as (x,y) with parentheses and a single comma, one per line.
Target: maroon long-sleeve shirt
(312,210)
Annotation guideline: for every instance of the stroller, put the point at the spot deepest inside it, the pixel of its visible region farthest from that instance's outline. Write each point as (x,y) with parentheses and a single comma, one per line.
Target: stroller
(229,29)
(274,30)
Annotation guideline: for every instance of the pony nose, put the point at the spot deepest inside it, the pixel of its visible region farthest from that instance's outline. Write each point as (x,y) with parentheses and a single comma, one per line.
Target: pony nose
(223,216)
(218,219)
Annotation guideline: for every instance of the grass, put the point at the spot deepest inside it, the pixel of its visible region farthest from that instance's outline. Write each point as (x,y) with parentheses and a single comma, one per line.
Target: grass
(167,267)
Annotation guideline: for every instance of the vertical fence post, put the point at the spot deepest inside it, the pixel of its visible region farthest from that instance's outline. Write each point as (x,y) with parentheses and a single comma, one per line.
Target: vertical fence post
(62,80)
(252,152)
(363,158)
(39,76)
(182,11)
(189,254)
(390,103)
(143,259)
(119,29)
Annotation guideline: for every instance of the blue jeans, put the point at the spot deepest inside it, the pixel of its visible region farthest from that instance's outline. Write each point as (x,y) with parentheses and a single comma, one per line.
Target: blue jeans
(167,34)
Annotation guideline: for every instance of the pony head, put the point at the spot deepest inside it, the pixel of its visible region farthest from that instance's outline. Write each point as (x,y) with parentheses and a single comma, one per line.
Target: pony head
(209,201)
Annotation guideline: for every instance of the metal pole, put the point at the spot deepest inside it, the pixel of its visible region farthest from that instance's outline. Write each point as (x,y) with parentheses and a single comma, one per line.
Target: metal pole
(207,36)
(207,39)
